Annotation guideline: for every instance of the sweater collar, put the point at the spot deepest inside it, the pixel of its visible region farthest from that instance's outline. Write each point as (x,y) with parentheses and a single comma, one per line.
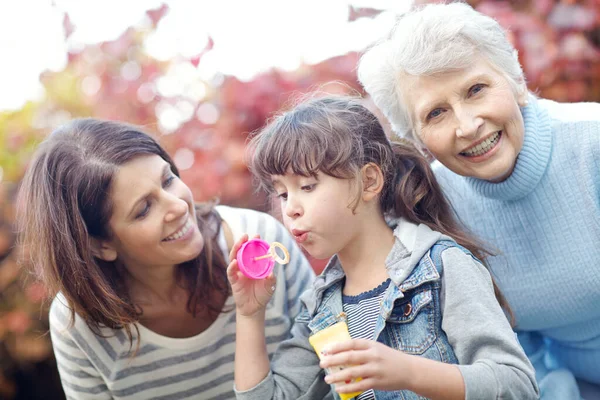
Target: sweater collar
(531,162)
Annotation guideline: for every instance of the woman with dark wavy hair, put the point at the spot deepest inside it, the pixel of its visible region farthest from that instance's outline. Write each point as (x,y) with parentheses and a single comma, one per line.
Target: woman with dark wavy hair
(142,307)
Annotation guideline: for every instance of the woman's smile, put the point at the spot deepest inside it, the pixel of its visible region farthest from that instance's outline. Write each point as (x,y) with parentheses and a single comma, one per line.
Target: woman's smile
(484,149)
(183,233)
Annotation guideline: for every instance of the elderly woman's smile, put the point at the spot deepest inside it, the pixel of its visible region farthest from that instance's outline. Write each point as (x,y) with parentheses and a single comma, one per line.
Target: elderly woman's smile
(469,119)
(482,147)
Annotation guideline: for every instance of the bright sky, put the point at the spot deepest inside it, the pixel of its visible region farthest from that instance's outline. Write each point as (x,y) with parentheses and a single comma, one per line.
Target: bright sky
(249,36)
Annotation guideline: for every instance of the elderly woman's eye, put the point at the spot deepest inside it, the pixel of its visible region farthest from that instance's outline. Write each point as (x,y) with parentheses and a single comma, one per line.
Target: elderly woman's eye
(434,113)
(476,89)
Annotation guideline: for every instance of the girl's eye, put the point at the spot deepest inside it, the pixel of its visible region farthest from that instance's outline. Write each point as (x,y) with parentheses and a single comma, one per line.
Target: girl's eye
(282,196)
(434,113)
(476,89)
(144,212)
(308,188)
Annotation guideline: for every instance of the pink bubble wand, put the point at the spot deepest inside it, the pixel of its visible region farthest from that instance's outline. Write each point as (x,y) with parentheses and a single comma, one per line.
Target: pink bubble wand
(256,258)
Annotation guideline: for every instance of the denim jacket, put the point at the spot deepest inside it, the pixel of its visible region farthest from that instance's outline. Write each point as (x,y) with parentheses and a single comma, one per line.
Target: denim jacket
(410,320)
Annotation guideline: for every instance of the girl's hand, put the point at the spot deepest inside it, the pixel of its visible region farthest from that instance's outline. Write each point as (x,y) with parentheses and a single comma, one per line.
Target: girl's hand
(379,366)
(251,295)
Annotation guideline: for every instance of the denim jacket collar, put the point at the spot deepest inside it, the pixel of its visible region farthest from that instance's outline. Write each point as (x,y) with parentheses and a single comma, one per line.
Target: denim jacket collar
(412,242)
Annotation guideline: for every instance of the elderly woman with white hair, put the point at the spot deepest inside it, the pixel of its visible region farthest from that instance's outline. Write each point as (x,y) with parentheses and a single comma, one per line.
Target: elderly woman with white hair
(521,172)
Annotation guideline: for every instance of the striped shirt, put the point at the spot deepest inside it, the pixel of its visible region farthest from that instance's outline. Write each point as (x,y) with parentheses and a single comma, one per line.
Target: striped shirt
(199,367)
(361,315)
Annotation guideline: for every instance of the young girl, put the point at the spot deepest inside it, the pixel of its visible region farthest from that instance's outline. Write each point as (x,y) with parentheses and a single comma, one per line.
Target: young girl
(424,314)
(143,308)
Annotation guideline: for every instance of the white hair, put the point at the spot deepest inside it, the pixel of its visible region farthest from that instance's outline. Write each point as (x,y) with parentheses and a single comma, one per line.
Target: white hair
(433,39)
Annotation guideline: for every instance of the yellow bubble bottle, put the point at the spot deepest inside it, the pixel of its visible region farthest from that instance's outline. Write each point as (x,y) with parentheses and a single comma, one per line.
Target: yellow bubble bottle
(335,333)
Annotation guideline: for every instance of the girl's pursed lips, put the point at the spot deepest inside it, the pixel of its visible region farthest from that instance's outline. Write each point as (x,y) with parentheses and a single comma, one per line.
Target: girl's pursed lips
(300,235)
(298,232)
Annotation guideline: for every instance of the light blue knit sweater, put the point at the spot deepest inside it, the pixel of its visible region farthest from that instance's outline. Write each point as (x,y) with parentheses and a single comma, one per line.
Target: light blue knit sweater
(544,221)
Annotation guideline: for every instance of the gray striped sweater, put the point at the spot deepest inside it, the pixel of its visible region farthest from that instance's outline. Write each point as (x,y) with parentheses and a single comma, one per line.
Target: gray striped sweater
(199,367)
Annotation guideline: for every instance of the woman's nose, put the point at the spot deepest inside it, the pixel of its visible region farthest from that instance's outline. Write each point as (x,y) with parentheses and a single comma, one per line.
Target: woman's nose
(468,124)
(176,208)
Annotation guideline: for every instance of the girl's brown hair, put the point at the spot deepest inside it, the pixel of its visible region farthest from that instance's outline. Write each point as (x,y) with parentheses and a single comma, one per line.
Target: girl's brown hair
(64,204)
(338,136)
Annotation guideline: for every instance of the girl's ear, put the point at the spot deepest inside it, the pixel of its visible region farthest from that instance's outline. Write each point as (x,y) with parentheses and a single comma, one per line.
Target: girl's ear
(103,250)
(372,181)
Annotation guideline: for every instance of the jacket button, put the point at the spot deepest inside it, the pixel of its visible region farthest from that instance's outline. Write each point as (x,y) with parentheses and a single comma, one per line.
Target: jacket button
(407,309)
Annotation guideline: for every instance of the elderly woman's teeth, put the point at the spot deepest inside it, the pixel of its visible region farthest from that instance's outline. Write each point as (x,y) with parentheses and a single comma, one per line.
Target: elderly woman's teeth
(483,147)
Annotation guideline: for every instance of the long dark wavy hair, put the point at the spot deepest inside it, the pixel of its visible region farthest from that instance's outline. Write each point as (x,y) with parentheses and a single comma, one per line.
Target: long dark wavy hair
(64,203)
(338,135)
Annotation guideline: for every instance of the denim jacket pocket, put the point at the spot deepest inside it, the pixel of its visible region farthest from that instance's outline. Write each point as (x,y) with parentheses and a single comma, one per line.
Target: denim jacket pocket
(411,324)
(322,320)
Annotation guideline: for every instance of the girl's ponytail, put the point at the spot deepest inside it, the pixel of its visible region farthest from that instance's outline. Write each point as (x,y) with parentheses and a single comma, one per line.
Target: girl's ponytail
(417,197)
